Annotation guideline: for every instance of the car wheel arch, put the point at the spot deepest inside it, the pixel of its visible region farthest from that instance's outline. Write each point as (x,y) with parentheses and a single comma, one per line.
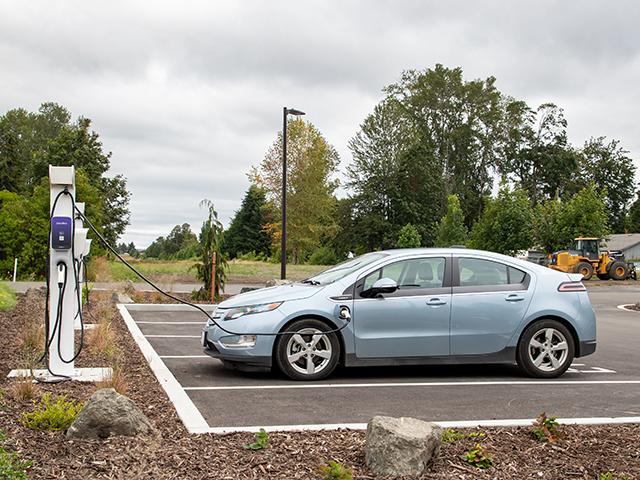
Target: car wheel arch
(321,318)
(563,321)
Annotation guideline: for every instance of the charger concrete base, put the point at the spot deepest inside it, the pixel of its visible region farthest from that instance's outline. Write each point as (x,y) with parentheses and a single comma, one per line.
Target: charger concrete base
(78,374)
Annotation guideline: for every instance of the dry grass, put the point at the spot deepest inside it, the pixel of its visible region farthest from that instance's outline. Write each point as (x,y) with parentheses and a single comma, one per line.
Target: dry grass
(117,380)
(31,339)
(23,389)
(101,340)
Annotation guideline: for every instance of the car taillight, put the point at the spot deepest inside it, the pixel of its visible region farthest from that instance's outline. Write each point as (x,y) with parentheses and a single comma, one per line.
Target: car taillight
(572,287)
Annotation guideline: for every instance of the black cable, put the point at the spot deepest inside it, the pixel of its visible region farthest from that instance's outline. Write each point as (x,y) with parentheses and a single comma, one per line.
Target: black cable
(179,300)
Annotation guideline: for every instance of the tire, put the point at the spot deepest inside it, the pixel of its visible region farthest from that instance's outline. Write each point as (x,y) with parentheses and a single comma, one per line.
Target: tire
(307,366)
(586,269)
(618,271)
(529,353)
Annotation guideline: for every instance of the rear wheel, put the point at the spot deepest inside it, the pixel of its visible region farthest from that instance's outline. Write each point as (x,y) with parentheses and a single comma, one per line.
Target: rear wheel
(586,269)
(618,271)
(308,353)
(546,349)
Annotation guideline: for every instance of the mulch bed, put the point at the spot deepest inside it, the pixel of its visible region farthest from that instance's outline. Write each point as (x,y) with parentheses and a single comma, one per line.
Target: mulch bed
(584,453)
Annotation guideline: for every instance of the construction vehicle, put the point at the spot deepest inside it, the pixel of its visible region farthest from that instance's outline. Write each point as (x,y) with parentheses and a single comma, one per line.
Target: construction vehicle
(586,257)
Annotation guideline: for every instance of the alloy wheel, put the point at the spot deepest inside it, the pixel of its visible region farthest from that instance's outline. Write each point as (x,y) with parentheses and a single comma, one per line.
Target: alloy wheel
(309,351)
(548,349)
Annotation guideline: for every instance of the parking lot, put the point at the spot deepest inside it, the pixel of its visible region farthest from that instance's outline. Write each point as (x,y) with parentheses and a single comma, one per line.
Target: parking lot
(210,398)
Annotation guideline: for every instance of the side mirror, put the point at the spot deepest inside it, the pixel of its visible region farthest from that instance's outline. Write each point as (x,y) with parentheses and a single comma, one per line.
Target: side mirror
(384,285)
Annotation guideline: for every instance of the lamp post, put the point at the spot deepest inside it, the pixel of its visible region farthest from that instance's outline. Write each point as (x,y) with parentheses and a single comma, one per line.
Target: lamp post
(283,245)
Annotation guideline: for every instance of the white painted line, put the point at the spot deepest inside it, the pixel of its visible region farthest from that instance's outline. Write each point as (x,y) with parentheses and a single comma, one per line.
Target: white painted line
(518,422)
(172,336)
(184,356)
(627,308)
(417,384)
(171,323)
(171,307)
(191,417)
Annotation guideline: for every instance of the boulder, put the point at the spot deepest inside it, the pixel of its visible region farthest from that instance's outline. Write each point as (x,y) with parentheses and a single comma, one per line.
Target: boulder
(400,446)
(109,413)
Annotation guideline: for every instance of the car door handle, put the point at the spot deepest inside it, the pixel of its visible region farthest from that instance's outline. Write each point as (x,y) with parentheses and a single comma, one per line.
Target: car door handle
(435,302)
(514,298)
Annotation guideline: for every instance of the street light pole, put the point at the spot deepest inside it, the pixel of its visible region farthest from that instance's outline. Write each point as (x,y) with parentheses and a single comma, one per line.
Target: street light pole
(283,240)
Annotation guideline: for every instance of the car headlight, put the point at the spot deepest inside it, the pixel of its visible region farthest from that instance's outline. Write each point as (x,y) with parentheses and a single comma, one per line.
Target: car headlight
(238,312)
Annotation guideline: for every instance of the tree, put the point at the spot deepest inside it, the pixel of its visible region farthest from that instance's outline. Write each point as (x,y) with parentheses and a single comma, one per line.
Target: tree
(506,223)
(558,222)
(458,123)
(311,163)
(451,228)
(538,155)
(633,219)
(248,229)
(409,237)
(181,243)
(609,165)
(211,239)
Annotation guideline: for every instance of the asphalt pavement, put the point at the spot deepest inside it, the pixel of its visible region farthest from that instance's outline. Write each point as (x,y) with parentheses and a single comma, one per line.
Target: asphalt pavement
(605,384)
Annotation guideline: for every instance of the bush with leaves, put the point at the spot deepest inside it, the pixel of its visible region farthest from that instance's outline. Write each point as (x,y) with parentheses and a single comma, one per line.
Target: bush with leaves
(478,457)
(261,441)
(451,228)
(408,237)
(52,415)
(545,429)
(335,471)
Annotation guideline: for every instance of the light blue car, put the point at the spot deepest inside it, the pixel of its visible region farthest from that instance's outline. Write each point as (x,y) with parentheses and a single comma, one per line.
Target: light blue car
(409,307)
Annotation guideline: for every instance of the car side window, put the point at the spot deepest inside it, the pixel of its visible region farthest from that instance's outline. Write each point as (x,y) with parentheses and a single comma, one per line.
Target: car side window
(476,272)
(416,273)
(516,276)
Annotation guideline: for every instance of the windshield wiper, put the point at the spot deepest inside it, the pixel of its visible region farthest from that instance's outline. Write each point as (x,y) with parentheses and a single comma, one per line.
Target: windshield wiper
(311,282)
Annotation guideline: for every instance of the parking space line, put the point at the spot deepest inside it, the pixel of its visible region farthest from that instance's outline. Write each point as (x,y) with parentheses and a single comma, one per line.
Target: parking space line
(515,422)
(191,417)
(185,356)
(172,336)
(417,384)
(169,323)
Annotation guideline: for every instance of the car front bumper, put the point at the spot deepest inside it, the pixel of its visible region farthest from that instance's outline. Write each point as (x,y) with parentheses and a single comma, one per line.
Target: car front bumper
(257,357)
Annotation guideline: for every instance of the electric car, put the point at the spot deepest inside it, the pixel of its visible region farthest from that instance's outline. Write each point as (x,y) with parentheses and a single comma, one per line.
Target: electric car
(409,307)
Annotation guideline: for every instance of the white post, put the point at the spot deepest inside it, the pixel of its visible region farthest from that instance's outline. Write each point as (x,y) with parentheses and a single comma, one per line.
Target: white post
(62,338)
(15,269)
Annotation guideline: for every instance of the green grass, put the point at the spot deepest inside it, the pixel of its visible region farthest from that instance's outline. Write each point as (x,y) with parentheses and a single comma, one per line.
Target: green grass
(182,271)
(7,297)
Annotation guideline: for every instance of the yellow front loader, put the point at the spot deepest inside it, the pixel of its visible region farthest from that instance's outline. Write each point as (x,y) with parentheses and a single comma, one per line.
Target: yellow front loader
(585,257)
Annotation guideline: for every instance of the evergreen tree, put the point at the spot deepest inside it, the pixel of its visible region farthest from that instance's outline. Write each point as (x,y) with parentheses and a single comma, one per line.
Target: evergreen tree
(247,232)
(451,228)
(408,237)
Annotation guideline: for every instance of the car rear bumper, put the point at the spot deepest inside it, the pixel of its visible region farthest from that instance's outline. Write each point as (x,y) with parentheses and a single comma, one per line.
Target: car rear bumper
(586,348)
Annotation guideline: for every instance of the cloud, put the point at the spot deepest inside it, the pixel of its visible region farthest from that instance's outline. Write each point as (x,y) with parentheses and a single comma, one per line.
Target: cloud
(189,95)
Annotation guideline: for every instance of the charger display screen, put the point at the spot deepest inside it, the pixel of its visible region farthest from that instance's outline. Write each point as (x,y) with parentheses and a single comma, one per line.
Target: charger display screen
(61,233)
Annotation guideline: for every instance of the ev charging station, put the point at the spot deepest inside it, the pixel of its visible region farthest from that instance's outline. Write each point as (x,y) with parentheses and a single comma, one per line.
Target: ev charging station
(68,246)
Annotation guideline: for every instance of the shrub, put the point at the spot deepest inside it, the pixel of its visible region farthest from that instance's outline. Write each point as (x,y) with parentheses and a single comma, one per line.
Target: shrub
(323,256)
(545,429)
(261,441)
(408,237)
(11,467)
(7,297)
(101,340)
(478,457)
(52,415)
(449,435)
(335,471)
(610,475)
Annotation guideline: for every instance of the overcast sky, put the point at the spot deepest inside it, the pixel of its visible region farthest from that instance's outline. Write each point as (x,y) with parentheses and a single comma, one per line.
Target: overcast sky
(188,95)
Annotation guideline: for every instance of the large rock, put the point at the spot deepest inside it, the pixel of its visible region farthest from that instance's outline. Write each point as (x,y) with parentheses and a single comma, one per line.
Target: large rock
(400,446)
(109,413)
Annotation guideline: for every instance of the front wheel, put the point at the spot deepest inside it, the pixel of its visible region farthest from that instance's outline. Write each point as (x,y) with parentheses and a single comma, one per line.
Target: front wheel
(546,349)
(307,353)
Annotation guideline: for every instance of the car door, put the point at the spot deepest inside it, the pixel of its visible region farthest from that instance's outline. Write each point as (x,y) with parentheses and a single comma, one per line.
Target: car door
(413,321)
(488,303)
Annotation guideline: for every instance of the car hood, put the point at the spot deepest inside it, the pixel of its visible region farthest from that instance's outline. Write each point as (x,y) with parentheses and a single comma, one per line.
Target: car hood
(280,293)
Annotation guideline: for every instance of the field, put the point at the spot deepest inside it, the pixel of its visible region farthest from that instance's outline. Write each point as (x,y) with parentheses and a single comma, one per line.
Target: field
(183,271)
(7,297)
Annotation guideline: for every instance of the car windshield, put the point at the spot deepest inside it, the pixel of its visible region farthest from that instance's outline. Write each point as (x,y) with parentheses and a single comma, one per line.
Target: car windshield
(343,269)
